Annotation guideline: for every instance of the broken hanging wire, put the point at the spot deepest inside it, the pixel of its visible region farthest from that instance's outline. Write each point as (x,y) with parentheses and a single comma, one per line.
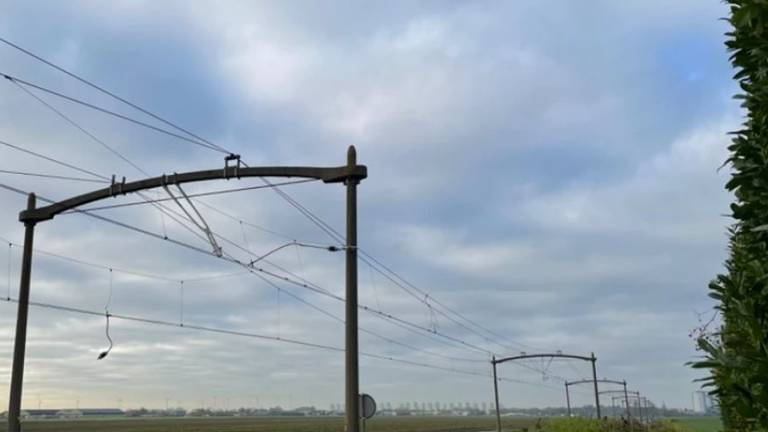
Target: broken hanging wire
(109,338)
(106,314)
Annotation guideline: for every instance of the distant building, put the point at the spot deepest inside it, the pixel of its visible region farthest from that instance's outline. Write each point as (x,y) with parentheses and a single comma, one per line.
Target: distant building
(72,413)
(702,402)
(40,413)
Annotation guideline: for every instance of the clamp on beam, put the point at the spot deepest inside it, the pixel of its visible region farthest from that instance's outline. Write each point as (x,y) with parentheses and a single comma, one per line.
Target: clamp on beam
(115,188)
(227,159)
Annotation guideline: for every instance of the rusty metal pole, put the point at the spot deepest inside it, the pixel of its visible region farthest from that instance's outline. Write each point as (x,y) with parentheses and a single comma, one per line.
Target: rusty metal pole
(20,343)
(568,399)
(352,358)
(594,380)
(496,395)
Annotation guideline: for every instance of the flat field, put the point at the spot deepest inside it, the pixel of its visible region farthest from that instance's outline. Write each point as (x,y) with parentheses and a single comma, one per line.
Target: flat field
(271,424)
(309,424)
(701,424)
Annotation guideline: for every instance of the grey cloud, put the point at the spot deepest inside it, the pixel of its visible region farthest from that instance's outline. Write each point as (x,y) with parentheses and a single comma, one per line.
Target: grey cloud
(547,171)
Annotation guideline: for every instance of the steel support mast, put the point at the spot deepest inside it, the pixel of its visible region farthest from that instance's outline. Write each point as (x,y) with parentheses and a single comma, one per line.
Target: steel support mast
(352,379)
(20,345)
(496,394)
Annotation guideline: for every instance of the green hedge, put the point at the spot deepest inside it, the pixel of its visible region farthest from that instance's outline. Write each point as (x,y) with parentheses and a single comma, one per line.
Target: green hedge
(587,425)
(737,353)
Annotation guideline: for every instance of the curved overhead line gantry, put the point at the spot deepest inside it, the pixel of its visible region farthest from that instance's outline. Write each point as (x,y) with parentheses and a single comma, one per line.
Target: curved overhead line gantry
(350,175)
(587,381)
(523,356)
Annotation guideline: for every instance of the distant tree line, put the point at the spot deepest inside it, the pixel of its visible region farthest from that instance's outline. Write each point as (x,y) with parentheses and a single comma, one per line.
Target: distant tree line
(737,352)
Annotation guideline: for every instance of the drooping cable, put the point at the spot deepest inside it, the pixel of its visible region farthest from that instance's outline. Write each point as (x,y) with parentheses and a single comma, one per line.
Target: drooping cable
(109,338)
(106,352)
(151,321)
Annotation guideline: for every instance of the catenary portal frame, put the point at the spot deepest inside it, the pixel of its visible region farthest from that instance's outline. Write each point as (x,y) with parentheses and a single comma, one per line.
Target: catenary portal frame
(350,175)
(495,361)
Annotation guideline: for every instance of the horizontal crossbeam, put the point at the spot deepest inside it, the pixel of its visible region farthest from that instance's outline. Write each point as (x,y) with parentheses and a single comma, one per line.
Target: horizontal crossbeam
(547,355)
(326,174)
(587,381)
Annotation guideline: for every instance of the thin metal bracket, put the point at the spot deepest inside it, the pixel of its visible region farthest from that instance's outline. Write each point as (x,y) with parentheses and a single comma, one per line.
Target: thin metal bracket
(202,225)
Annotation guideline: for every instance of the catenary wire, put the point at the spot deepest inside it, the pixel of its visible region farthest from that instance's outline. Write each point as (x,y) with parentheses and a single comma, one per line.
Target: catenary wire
(52,176)
(112,269)
(292,341)
(122,270)
(160,207)
(82,129)
(103,90)
(188,246)
(219,148)
(309,214)
(56,161)
(22,82)
(336,236)
(193,195)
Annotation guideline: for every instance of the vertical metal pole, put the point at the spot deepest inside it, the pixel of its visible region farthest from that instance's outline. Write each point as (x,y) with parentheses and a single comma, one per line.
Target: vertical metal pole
(647,410)
(20,344)
(568,399)
(594,381)
(496,395)
(352,359)
(626,403)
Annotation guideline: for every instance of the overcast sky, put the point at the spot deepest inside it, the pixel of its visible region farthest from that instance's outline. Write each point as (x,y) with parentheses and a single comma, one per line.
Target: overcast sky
(548,170)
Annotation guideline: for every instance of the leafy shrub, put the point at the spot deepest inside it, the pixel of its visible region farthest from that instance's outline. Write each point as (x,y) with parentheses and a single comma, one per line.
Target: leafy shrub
(737,353)
(589,425)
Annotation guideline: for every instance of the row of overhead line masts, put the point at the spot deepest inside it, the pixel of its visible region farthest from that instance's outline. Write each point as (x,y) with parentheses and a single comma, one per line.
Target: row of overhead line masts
(625,395)
(349,175)
(568,384)
(641,404)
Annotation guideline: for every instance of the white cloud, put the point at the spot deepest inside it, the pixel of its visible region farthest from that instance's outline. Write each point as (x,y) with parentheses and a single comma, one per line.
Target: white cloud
(676,194)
